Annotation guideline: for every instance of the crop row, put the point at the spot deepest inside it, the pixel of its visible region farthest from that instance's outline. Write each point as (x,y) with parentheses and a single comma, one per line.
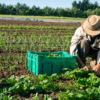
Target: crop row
(80,82)
(85,85)
(35,27)
(23,43)
(9,42)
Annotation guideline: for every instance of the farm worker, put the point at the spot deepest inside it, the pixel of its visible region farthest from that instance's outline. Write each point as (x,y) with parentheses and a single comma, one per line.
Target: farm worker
(85,42)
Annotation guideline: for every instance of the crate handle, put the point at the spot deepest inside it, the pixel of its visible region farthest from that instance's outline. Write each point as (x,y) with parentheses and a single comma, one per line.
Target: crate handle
(42,69)
(51,69)
(61,69)
(70,67)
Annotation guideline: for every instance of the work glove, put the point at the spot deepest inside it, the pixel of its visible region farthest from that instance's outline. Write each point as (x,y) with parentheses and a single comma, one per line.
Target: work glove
(96,69)
(86,68)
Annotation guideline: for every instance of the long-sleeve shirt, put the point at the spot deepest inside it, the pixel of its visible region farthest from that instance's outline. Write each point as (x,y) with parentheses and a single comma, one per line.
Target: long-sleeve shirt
(94,42)
(79,34)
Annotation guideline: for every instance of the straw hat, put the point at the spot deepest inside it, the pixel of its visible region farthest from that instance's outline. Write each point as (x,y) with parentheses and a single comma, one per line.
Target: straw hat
(91,25)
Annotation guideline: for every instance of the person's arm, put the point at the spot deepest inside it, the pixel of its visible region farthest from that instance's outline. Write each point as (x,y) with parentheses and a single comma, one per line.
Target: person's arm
(77,36)
(80,62)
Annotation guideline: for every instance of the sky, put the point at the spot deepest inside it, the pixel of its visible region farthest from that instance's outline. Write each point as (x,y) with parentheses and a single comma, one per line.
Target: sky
(43,3)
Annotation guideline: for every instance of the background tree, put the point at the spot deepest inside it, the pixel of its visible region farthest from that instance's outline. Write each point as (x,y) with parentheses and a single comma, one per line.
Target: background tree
(47,11)
(60,11)
(95,5)
(97,11)
(76,12)
(84,5)
(3,8)
(18,8)
(39,11)
(33,10)
(81,9)
(11,9)
(24,9)
(74,4)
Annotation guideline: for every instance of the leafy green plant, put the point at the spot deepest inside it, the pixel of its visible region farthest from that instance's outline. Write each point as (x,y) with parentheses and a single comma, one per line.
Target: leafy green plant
(53,77)
(77,73)
(4,80)
(12,67)
(53,55)
(36,97)
(5,97)
(61,87)
(11,80)
(47,86)
(42,77)
(47,97)
(1,42)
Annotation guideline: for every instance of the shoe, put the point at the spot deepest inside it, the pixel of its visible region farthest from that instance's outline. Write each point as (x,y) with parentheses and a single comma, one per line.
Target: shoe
(93,63)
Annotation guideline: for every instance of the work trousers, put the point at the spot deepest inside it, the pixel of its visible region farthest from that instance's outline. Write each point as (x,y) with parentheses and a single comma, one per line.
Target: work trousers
(84,50)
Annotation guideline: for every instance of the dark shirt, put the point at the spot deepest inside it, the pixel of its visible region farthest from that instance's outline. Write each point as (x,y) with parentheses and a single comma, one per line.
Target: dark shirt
(95,42)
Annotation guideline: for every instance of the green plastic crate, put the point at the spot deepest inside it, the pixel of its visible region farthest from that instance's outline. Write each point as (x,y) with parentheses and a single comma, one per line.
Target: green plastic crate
(39,64)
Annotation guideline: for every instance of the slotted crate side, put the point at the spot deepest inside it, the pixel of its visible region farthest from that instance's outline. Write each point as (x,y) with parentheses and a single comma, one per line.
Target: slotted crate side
(34,65)
(44,68)
(56,69)
(65,66)
(41,65)
(30,62)
(73,61)
(56,60)
(50,69)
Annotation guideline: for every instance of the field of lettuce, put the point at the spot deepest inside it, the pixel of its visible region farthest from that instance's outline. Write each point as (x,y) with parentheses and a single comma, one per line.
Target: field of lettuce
(18,83)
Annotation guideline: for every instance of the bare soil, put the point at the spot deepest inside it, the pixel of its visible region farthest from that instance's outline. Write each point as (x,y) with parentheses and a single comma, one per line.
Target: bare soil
(21,70)
(28,23)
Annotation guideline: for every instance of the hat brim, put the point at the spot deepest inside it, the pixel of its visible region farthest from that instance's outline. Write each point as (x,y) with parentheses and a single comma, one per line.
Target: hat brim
(88,31)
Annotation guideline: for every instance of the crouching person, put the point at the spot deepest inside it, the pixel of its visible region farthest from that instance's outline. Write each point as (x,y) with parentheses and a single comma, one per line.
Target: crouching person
(86,41)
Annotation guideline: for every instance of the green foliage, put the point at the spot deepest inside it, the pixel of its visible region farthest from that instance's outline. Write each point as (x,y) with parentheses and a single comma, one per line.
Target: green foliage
(87,94)
(81,84)
(53,55)
(54,77)
(48,11)
(84,5)
(78,11)
(85,85)
(42,77)
(77,73)
(1,42)
(88,82)
(5,97)
(47,97)
(36,97)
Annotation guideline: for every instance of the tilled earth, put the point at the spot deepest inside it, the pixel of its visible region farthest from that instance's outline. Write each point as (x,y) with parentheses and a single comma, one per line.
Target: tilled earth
(21,70)
(8,22)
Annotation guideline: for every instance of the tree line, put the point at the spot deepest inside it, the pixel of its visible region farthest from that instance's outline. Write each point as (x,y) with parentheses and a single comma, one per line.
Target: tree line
(79,9)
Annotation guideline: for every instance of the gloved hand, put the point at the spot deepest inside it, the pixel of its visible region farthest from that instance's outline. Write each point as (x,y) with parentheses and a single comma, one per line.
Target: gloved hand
(96,69)
(86,68)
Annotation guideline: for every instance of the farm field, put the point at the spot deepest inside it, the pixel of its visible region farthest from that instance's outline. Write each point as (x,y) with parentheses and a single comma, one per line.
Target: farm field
(72,19)
(18,83)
